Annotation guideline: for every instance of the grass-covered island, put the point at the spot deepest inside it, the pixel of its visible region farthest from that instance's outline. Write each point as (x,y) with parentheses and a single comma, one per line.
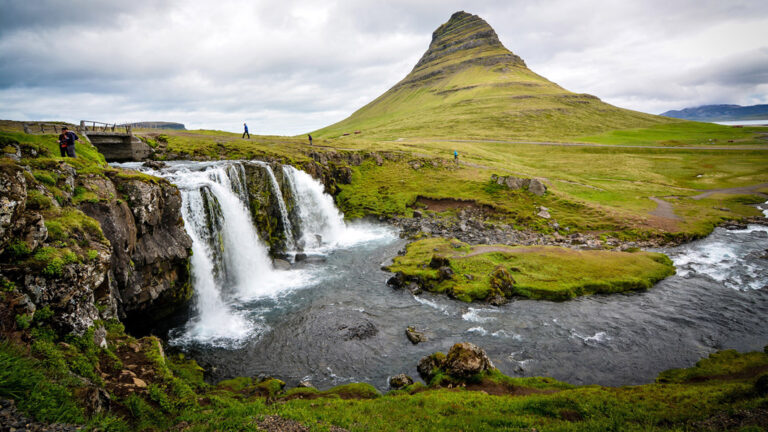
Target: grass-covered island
(497,272)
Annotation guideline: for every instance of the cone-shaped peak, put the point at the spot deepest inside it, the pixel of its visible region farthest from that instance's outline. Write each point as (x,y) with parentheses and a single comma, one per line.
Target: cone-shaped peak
(468,85)
(465,40)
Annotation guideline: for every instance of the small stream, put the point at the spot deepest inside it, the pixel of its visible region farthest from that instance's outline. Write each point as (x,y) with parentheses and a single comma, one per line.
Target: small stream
(333,320)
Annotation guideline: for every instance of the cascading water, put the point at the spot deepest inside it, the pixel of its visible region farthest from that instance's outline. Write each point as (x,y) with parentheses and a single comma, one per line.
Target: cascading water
(322,225)
(290,243)
(230,263)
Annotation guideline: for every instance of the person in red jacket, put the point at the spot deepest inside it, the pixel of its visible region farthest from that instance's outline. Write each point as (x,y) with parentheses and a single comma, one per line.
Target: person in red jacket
(67,142)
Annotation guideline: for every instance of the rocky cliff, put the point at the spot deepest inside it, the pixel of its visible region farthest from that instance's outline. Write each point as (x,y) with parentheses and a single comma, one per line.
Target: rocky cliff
(88,242)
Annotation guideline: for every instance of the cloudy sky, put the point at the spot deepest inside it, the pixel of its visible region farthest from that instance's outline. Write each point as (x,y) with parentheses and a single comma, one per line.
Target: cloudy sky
(292,66)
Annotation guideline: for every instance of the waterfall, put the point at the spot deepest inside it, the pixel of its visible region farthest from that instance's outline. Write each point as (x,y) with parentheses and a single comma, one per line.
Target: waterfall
(290,243)
(321,224)
(215,320)
(317,212)
(229,261)
(230,264)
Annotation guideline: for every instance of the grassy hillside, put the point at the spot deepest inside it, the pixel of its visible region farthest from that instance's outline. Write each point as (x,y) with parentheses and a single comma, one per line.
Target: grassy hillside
(726,391)
(468,85)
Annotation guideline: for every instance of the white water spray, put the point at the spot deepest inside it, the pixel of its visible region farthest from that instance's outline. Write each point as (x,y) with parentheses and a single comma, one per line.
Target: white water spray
(322,225)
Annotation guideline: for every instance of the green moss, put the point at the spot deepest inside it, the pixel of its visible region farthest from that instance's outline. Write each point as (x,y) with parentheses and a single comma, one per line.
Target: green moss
(44,177)
(18,250)
(37,201)
(537,272)
(72,223)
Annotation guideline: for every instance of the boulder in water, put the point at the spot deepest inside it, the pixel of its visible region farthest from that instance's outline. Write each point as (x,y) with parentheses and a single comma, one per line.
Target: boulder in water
(301,256)
(281,264)
(415,336)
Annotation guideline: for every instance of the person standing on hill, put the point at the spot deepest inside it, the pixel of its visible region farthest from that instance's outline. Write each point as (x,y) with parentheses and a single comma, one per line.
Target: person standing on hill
(245,132)
(310,139)
(456,157)
(67,142)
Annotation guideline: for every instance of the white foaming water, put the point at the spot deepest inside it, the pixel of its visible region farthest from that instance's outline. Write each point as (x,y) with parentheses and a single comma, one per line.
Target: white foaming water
(290,243)
(229,259)
(215,322)
(430,303)
(479,330)
(727,259)
(597,337)
(473,315)
(322,225)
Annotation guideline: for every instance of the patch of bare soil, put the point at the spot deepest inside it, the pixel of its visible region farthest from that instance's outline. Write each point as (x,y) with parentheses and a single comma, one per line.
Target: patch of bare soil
(276,423)
(443,204)
(734,420)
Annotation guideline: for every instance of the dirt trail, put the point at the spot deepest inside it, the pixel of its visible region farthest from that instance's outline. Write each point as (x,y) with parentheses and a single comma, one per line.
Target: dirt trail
(580,144)
(663,209)
(746,190)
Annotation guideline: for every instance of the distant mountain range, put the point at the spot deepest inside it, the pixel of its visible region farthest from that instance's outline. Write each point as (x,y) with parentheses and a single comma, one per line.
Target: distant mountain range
(720,113)
(159,125)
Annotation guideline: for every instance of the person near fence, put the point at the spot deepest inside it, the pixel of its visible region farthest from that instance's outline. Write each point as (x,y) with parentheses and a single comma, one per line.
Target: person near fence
(67,142)
(245,132)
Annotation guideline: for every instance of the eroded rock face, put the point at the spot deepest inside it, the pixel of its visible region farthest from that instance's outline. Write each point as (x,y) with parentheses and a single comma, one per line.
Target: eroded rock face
(13,194)
(149,245)
(466,359)
(125,256)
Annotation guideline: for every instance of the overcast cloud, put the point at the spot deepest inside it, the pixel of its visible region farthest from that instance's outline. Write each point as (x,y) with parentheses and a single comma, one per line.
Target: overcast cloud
(296,65)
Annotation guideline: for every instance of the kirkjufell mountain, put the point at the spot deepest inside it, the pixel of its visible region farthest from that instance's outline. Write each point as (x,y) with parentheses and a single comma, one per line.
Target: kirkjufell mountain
(468,85)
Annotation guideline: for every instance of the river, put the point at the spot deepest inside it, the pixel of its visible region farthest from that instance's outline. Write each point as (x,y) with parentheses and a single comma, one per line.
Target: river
(333,320)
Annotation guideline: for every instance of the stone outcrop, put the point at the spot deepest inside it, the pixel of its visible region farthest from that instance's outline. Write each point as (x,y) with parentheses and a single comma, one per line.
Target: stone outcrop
(150,248)
(534,186)
(399,381)
(464,360)
(264,206)
(90,245)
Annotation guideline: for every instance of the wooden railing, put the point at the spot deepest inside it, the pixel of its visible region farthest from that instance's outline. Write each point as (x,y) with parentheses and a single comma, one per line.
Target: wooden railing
(94,126)
(37,127)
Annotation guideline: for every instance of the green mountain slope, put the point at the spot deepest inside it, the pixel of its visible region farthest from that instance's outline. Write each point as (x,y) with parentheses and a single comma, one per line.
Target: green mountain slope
(468,85)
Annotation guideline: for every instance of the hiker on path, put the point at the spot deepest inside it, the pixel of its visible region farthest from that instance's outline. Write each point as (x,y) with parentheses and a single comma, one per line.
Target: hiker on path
(67,142)
(456,157)
(310,139)
(245,132)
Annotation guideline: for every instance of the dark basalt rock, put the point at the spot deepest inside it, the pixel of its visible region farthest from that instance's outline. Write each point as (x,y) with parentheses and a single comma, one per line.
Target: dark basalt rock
(438,261)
